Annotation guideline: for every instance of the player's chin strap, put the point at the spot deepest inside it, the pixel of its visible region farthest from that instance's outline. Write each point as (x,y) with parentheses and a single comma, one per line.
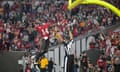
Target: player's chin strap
(68,46)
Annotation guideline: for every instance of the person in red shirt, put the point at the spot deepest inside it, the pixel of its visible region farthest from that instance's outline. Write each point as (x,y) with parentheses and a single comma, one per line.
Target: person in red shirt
(28,69)
(15,6)
(1,29)
(101,64)
(1,26)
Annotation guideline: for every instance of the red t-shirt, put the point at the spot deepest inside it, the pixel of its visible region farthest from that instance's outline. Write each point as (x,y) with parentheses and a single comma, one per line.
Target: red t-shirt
(43,30)
(18,43)
(36,40)
(75,31)
(1,26)
(103,43)
(14,7)
(65,6)
(1,29)
(28,69)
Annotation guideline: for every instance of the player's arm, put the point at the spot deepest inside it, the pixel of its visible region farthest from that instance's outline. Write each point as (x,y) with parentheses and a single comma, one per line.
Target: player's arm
(71,35)
(60,37)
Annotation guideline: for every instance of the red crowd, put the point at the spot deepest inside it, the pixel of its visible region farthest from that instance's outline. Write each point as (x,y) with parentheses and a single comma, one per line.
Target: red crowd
(20,23)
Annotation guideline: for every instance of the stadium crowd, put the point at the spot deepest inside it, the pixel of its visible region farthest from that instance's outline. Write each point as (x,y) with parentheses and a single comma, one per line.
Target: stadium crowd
(109,44)
(20,25)
(19,22)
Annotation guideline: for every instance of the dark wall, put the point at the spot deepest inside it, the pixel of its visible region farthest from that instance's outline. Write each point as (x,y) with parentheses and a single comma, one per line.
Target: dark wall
(9,61)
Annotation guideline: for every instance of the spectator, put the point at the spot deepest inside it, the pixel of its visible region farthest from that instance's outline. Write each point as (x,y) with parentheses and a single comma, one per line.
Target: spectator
(76,65)
(92,44)
(84,63)
(50,65)
(26,15)
(91,67)
(18,24)
(28,69)
(116,61)
(101,64)
(108,63)
(108,45)
(7,7)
